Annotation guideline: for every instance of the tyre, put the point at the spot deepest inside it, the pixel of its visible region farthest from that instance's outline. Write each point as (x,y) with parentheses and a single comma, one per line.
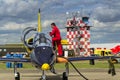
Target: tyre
(42,79)
(17,76)
(65,77)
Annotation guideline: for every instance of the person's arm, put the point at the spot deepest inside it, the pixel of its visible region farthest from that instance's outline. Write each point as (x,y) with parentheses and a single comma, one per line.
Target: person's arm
(52,33)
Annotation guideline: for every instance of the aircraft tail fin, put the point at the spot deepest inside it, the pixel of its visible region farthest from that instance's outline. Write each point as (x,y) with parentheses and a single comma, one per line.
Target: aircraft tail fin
(39,22)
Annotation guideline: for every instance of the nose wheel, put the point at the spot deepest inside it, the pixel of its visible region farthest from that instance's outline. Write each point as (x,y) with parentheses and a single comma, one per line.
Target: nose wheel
(43,77)
(17,76)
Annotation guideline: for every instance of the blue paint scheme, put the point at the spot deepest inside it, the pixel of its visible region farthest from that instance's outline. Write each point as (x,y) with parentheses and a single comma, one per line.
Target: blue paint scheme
(41,55)
(91,57)
(70,59)
(42,52)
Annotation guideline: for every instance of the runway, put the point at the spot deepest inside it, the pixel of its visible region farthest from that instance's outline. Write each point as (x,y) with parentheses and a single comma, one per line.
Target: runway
(91,74)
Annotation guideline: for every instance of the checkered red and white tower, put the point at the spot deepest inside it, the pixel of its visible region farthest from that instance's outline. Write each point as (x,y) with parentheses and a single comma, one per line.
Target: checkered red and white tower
(78,35)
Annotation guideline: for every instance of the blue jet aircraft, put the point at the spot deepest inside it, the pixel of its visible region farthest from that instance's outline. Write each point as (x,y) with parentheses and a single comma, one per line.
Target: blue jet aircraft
(43,56)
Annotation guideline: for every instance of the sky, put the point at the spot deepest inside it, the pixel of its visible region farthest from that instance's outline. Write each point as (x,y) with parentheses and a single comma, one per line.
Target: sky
(16,15)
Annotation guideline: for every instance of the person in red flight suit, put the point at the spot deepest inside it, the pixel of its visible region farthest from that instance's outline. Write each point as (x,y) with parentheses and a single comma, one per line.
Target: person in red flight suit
(56,38)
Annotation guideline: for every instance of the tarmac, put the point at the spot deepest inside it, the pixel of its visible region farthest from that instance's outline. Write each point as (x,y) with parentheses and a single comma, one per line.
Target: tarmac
(90,74)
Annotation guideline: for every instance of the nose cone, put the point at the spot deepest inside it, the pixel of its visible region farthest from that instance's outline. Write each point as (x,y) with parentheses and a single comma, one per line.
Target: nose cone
(45,66)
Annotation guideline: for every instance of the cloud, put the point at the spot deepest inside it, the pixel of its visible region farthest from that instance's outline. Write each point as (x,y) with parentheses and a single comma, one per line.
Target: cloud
(10,1)
(18,14)
(16,26)
(10,38)
(107,11)
(10,26)
(47,23)
(22,9)
(97,24)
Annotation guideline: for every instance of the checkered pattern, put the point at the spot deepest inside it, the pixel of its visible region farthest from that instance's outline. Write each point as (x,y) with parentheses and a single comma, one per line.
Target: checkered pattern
(77,21)
(69,23)
(71,35)
(85,42)
(79,38)
(80,23)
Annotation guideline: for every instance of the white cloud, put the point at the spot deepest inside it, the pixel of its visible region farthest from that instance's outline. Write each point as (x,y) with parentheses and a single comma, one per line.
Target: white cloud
(16,26)
(10,38)
(10,26)
(19,14)
(10,1)
(14,7)
(63,30)
(117,24)
(97,24)
(46,23)
(3,35)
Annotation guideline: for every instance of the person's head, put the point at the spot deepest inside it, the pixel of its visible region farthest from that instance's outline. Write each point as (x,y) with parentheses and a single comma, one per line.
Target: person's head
(52,25)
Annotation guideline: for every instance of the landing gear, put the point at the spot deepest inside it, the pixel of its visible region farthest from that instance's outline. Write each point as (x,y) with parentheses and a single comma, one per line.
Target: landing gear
(65,76)
(43,77)
(17,76)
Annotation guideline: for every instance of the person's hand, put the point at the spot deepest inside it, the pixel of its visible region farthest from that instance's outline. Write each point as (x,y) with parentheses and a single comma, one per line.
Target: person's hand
(50,33)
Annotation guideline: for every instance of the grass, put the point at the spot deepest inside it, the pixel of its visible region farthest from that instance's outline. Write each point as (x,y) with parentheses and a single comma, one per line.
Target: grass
(85,64)
(78,64)
(25,65)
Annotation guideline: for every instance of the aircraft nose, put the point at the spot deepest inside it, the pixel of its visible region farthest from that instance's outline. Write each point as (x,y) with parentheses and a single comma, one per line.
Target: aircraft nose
(45,66)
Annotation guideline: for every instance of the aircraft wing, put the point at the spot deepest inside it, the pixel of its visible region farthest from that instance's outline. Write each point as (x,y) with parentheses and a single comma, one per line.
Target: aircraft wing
(15,60)
(91,58)
(69,59)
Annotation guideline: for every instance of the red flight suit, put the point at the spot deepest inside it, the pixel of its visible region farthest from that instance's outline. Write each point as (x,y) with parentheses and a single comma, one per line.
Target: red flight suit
(56,39)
